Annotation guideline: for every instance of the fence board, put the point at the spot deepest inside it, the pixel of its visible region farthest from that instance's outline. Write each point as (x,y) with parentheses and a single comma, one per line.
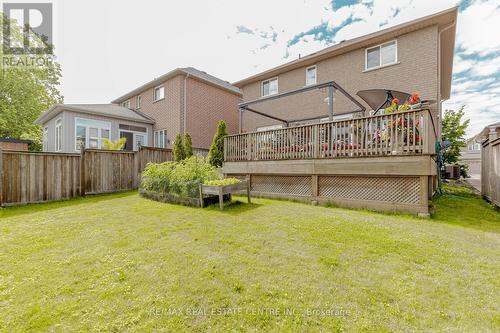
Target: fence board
(490,170)
(29,177)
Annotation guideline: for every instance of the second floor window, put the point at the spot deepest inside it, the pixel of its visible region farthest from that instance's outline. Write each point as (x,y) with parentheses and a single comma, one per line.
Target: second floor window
(311,75)
(270,87)
(126,104)
(138,102)
(158,93)
(381,55)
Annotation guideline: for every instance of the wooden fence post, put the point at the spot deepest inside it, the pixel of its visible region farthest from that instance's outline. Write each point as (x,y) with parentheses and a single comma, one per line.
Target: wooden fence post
(82,171)
(1,178)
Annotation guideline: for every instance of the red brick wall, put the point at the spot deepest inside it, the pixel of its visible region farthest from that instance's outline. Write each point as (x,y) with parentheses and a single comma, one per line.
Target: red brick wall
(206,106)
(417,71)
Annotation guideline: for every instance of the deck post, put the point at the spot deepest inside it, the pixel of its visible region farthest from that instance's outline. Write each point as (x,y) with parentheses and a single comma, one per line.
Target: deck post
(248,190)
(314,183)
(221,199)
(249,146)
(330,102)
(82,171)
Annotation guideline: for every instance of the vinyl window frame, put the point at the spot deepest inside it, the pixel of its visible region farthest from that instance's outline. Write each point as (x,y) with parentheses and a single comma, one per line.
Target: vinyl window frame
(138,102)
(100,127)
(162,95)
(156,138)
(315,75)
(269,81)
(126,104)
(58,134)
(379,46)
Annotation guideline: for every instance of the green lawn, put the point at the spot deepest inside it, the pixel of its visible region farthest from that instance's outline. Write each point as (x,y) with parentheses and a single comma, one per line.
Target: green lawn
(120,262)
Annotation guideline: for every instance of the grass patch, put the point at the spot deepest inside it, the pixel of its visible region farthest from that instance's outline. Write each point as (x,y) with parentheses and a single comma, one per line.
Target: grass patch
(120,262)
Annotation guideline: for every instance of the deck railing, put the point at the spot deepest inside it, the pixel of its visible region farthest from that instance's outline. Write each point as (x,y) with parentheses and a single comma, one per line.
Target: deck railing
(402,133)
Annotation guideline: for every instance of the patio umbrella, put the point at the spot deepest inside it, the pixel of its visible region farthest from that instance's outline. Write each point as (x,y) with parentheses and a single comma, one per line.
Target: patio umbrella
(379,98)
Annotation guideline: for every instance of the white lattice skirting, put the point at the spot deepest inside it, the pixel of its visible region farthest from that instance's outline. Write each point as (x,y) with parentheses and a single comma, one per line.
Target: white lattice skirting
(404,190)
(396,190)
(287,185)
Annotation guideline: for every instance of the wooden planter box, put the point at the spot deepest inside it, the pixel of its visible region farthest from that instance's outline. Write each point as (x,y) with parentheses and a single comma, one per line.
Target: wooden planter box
(220,191)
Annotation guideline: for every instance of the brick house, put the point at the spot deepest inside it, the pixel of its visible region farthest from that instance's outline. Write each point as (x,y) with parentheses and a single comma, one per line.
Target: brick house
(416,56)
(185,100)
(306,133)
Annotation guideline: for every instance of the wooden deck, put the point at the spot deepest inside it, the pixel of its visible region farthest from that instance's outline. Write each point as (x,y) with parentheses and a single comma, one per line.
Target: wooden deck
(382,162)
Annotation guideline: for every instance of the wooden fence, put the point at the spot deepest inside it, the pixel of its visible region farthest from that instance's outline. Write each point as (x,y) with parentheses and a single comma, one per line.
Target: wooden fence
(402,133)
(30,177)
(490,170)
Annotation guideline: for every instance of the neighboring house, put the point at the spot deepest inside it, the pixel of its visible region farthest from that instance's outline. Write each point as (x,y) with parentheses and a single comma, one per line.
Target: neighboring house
(471,156)
(411,57)
(67,127)
(14,144)
(184,100)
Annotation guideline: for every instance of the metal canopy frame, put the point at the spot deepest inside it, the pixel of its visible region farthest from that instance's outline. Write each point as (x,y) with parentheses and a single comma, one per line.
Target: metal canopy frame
(331,85)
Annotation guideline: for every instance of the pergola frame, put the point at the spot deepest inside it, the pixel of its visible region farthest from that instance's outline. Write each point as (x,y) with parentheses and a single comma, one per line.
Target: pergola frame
(332,87)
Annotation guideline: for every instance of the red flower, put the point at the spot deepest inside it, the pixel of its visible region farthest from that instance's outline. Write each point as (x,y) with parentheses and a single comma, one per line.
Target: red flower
(395,101)
(415,98)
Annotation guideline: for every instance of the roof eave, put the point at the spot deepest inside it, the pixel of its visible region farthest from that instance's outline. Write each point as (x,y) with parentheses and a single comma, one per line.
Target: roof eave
(56,109)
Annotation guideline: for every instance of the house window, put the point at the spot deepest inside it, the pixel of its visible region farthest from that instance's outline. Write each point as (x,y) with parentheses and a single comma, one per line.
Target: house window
(90,133)
(311,75)
(58,134)
(160,139)
(475,146)
(140,140)
(126,104)
(382,55)
(45,138)
(138,101)
(158,93)
(270,87)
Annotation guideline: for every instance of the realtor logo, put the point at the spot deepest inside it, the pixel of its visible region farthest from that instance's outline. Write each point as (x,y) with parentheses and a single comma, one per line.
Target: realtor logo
(35,19)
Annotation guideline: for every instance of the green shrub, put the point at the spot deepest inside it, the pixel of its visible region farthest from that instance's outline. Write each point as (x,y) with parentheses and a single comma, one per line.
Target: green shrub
(179,178)
(179,153)
(188,145)
(222,182)
(216,152)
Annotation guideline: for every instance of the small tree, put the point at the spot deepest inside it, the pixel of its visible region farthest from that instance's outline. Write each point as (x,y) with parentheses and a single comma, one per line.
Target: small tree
(454,132)
(216,152)
(188,145)
(179,153)
(114,145)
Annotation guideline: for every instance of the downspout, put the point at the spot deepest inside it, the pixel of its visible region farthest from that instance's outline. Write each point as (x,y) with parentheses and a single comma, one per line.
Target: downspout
(440,101)
(184,112)
(440,111)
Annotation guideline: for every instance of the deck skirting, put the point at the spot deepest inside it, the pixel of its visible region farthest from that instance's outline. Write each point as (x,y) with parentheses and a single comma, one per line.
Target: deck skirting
(402,184)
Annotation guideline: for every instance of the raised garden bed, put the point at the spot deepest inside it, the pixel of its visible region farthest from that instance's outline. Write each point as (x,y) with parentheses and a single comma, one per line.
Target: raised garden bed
(221,190)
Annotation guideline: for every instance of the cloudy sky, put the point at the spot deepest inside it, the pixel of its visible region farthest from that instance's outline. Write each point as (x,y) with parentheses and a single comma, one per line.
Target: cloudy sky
(108,47)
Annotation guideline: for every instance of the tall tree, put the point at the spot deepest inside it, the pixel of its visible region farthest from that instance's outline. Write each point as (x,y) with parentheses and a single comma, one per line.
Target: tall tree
(26,91)
(454,128)
(179,153)
(216,152)
(188,145)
